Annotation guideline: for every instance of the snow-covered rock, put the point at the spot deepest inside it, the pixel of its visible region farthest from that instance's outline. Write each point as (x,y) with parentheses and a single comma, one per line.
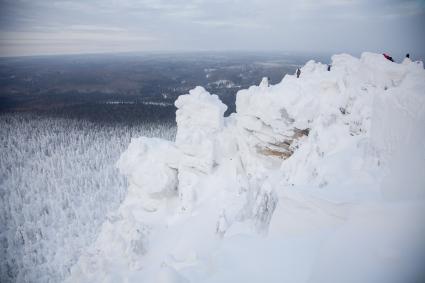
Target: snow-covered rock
(199,119)
(253,197)
(149,164)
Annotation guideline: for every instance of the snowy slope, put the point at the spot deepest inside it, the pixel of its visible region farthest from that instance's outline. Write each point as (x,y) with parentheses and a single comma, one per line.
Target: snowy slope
(316,179)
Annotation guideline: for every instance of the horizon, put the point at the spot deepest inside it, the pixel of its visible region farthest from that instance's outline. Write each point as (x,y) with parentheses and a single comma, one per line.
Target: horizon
(397,56)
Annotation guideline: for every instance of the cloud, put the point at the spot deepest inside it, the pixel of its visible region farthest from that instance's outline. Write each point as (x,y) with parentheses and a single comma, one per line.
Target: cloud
(317,25)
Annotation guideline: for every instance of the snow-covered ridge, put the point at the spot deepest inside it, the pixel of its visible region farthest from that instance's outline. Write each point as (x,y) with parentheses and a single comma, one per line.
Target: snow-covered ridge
(295,175)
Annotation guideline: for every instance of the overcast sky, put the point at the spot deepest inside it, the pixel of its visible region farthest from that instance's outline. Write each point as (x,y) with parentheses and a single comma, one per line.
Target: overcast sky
(29,27)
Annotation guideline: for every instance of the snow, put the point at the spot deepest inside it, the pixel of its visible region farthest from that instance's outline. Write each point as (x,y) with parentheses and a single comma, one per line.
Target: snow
(315,179)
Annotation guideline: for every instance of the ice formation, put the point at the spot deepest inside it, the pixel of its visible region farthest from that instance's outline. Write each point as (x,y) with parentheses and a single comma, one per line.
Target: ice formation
(315,179)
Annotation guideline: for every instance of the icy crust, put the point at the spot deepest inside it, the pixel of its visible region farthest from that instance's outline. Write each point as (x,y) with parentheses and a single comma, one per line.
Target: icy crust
(301,169)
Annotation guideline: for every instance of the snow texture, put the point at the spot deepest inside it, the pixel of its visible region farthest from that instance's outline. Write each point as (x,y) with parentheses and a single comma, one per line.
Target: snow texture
(315,179)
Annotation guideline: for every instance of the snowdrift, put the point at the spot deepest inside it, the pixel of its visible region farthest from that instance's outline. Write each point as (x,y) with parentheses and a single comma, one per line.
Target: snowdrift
(315,179)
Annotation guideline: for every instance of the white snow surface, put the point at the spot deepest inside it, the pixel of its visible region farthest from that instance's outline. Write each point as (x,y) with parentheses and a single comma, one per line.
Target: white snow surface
(248,199)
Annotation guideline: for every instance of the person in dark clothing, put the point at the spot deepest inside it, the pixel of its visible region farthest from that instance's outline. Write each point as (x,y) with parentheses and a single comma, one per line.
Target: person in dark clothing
(298,73)
(388,57)
(408,55)
(329,68)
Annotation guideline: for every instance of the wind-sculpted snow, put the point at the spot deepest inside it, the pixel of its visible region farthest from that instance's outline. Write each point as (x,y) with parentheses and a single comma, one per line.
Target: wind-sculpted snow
(316,179)
(58,183)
